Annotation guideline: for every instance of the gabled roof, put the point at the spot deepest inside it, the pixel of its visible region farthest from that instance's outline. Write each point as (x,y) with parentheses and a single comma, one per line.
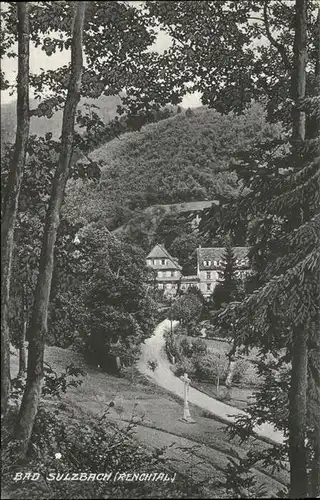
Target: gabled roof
(216,254)
(159,252)
(189,206)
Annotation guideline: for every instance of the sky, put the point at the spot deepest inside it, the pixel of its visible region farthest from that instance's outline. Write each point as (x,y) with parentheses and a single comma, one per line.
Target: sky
(39,60)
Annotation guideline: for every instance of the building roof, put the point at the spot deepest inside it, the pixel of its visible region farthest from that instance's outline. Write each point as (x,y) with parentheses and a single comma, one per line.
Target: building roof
(189,206)
(159,252)
(217,254)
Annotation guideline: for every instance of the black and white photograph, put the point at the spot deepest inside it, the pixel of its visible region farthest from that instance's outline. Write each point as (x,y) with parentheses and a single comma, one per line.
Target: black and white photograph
(160,249)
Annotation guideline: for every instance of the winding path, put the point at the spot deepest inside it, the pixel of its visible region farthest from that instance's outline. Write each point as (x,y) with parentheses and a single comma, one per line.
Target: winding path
(153,349)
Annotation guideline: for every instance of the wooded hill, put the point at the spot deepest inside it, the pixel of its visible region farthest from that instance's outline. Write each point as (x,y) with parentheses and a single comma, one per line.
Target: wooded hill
(105,107)
(180,159)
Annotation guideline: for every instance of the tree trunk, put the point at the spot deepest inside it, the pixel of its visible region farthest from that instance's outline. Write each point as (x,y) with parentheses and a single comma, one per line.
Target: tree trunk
(298,81)
(22,339)
(298,415)
(38,326)
(232,363)
(22,352)
(230,372)
(10,202)
(299,370)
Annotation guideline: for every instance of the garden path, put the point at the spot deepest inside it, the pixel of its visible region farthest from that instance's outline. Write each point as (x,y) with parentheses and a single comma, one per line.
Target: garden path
(153,349)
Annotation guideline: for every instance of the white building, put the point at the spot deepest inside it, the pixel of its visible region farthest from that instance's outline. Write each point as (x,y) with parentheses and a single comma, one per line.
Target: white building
(210,265)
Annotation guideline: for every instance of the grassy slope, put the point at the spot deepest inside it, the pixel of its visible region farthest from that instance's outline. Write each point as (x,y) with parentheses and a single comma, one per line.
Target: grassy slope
(157,414)
(240,394)
(182,158)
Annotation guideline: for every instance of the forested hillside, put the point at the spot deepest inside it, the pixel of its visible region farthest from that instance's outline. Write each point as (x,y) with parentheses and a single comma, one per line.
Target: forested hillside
(105,107)
(183,158)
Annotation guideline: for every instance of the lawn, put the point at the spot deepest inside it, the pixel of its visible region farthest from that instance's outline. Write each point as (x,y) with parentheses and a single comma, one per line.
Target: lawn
(234,396)
(240,394)
(157,415)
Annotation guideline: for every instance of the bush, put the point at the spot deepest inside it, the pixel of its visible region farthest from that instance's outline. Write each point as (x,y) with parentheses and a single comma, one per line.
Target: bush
(172,346)
(245,373)
(211,331)
(196,347)
(186,347)
(193,329)
(210,366)
(181,330)
(199,347)
(185,366)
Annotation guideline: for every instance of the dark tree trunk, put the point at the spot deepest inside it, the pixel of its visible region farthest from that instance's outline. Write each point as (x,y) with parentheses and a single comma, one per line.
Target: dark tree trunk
(298,416)
(299,371)
(22,352)
(11,198)
(298,82)
(313,130)
(38,325)
(232,355)
(22,339)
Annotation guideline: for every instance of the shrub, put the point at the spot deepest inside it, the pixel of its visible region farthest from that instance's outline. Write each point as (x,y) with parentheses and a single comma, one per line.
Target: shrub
(181,330)
(211,331)
(245,373)
(199,347)
(185,366)
(193,329)
(172,346)
(210,367)
(186,347)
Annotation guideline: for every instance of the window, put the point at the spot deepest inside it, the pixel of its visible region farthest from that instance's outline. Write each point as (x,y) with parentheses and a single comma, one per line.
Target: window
(208,276)
(215,263)
(160,274)
(173,273)
(160,286)
(208,286)
(163,262)
(168,286)
(154,261)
